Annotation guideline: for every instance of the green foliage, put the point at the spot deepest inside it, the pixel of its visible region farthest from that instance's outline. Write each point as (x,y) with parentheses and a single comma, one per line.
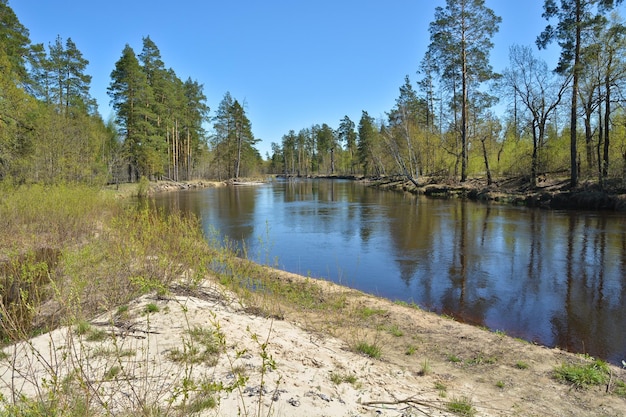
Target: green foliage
(367,312)
(394,330)
(454,358)
(595,372)
(338,378)
(372,350)
(151,308)
(461,407)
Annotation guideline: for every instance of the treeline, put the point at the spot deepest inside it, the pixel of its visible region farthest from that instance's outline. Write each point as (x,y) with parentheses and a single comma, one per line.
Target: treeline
(568,120)
(50,129)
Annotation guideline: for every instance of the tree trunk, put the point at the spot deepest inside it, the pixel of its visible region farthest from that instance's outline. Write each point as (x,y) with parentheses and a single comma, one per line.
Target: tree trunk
(607,121)
(489,180)
(576,73)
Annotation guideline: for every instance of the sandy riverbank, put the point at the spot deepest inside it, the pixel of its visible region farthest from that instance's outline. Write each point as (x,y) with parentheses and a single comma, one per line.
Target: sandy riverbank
(305,361)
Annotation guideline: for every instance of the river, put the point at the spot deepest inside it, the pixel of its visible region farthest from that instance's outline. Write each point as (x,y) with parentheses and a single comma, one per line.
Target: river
(556,278)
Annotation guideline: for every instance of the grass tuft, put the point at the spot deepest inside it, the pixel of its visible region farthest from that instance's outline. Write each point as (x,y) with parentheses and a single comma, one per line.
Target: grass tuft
(584,375)
(461,406)
(368,349)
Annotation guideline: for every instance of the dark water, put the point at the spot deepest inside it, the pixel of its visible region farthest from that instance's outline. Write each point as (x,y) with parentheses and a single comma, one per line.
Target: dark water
(556,278)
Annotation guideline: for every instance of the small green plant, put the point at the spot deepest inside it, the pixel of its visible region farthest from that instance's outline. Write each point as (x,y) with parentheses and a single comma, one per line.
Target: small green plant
(339,378)
(112,373)
(366,312)
(453,358)
(369,349)
(425,369)
(620,388)
(394,330)
(500,384)
(521,365)
(96,335)
(595,372)
(481,359)
(151,308)
(461,406)
(442,388)
(82,328)
(410,350)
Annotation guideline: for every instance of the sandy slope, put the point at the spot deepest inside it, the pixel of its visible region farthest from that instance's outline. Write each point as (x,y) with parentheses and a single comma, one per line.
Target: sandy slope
(301,381)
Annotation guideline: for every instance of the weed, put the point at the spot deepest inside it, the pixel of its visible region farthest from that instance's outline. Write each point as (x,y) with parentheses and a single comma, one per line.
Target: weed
(461,407)
(394,330)
(410,350)
(441,387)
(521,365)
(500,384)
(113,372)
(481,359)
(96,335)
(82,328)
(366,312)
(595,372)
(339,378)
(425,369)
(453,358)
(151,308)
(620,388)
(368,349)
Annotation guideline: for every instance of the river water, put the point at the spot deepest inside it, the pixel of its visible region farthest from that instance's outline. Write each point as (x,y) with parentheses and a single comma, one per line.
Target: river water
(557,278)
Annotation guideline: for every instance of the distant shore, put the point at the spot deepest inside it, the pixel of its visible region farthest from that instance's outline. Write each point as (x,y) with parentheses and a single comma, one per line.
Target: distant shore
(554,193)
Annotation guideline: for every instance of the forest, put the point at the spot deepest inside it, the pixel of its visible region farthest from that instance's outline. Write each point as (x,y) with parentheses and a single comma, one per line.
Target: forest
(567,121)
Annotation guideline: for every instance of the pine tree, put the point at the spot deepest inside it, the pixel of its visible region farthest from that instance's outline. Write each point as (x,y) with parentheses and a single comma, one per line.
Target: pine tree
(130,95)
(460,42)
(347,135)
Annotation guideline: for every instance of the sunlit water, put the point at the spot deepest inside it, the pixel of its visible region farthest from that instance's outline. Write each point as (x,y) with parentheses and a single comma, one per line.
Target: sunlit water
(556,278)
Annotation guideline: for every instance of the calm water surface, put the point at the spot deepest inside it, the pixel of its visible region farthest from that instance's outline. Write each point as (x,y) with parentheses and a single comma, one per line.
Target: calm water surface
(556,278)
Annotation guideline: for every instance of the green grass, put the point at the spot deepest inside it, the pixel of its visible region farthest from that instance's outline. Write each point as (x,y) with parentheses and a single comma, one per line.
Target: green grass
(340,378)
(82,328)
(461,407)
(151,308)
(367,312)
(521,365)
(454,359)
(583,375)
(369,349)
(425,369)
(394,330)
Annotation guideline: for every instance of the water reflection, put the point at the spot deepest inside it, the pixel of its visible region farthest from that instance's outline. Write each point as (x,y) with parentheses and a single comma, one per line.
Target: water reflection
(552,277)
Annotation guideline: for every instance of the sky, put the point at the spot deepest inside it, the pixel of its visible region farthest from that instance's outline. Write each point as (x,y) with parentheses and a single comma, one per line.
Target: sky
(292,63)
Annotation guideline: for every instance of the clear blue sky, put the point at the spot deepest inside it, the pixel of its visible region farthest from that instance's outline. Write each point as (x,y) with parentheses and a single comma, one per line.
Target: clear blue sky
(294,63)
